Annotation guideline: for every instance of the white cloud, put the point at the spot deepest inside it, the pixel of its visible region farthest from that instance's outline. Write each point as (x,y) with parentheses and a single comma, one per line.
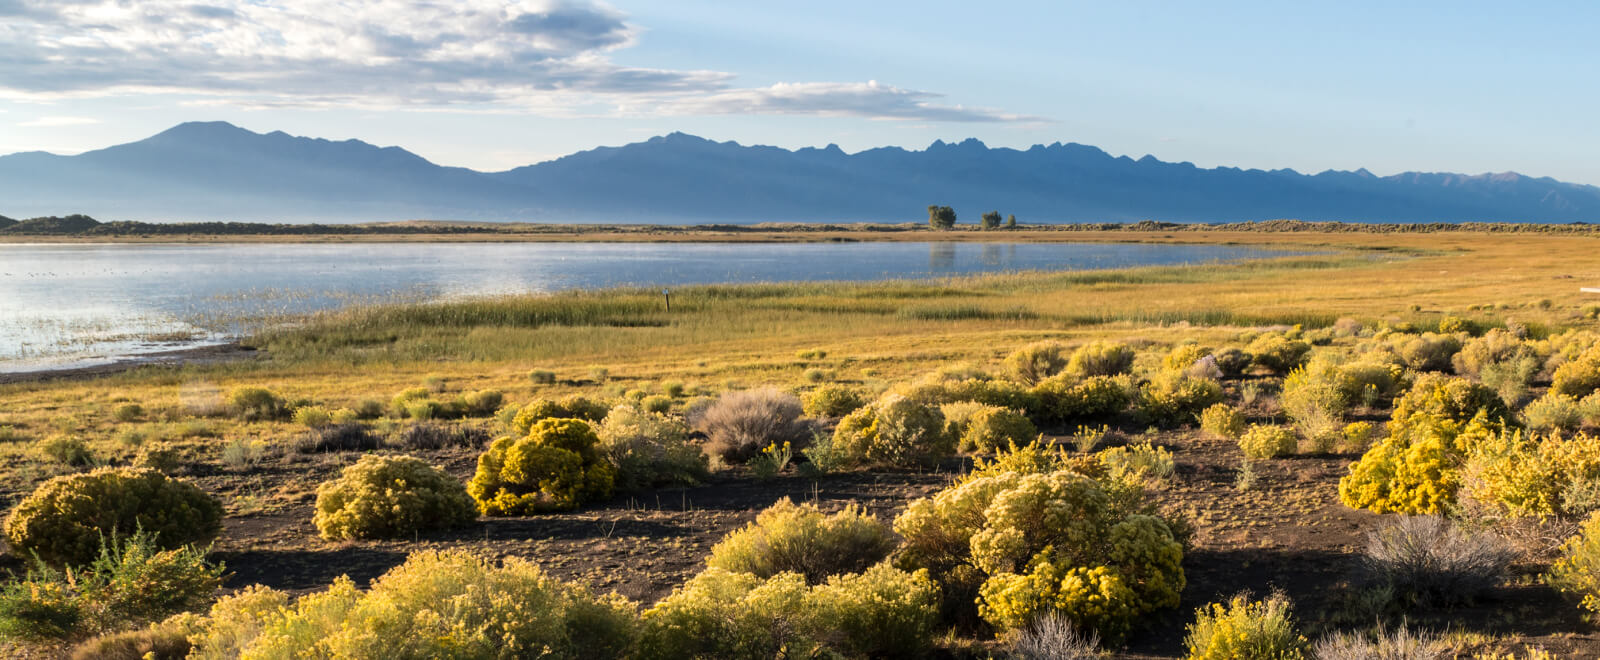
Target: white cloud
(545,56)
(53,122)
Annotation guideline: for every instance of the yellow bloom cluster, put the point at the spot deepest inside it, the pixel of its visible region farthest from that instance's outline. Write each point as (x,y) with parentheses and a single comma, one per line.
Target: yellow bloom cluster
(555,467)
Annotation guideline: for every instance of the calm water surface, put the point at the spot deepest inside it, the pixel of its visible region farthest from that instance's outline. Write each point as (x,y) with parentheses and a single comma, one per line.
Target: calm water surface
(73,305)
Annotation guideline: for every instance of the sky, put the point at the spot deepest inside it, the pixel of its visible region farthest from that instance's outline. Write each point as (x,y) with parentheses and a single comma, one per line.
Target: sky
(492,84)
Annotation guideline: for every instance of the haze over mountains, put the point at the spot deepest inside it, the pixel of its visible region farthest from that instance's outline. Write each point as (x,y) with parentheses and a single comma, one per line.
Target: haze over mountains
(204,171)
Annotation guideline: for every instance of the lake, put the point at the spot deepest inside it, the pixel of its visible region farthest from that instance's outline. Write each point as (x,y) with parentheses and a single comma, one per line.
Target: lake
(78,305)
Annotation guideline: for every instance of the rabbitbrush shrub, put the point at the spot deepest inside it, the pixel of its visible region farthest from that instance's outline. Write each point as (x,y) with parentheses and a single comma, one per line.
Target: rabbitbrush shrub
(390,497)
(1223,421)
(895,430)
(1430,560)
(1243,629)
(448,604)
(1264,441)
(253,404)
(1036,362)
(1028,538)
(650,450)
(558,466)
(131,581)
(1538,475)
(569,407)
(1417,468)
(1067,399)
(1579,377)
(64,520)
(1101,358)
(881,613)
(801,539)
(1278,353)
(1171,399)
(741,424)
(992,427)
(831,401)
(1577,571)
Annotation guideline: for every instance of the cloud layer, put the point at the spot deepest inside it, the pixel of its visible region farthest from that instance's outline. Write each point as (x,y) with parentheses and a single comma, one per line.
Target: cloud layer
(547,56)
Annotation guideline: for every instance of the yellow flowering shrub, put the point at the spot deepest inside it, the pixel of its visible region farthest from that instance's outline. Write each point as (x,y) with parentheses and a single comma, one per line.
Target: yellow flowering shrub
(569,407)
(896,430)
(993,427)
(1579,376)
(1068,398)
(390,497)
(1184,356)
(435,605)
(1242,629)
(883,612)
(1277,352)
(1536,475)
(64,520)
(1036,362)
(802,539)
(1264,441)
(1088,548)
(1223,421)
(1577,572)
(1417,468)
(556,467)
(1101,358)
(1172,399)
(831,401)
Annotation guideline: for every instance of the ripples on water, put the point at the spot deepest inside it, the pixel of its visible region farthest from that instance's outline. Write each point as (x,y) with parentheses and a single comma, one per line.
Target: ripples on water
(73,305)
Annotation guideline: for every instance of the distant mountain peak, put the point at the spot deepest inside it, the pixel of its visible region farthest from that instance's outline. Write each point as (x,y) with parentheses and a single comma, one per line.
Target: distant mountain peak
(215,170)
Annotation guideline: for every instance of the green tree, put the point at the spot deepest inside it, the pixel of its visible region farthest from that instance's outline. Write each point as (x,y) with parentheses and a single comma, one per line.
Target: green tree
(991,220)
(1011,221)
(941,217)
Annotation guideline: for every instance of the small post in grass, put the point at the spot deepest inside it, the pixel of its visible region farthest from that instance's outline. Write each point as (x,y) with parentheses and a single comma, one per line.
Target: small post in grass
(665,293)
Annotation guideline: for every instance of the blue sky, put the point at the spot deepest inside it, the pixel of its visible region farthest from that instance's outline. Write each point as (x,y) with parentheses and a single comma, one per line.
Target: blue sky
(491,84)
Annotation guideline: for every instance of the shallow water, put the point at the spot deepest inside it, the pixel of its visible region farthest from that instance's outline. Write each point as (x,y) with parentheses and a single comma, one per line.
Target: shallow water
(76,305)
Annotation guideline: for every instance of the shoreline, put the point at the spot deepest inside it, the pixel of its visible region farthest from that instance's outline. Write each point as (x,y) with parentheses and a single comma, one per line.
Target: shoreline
(198,355)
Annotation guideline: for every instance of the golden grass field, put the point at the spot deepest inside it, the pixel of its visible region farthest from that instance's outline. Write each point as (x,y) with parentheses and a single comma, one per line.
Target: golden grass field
(872,335)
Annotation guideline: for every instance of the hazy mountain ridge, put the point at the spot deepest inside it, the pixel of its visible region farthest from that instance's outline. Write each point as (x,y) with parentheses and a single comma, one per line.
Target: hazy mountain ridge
(217,171)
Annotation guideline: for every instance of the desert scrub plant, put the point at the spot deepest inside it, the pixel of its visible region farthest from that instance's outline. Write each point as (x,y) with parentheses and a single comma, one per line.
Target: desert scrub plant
(1430,560)
(1357,436)
(1223,421)
(894,430)
(63,521)
(449,604)
(1536,475)
(1233,362)
(1416,469)
(384,497)
(935,390)
(162,457)
(557,467)
(1101,358)
(1028,543)
(1184,356)
(568,407)
(252,404)
(1265,441)
(880,613)
(1316,397)
(1068,399)
(831,402)
(335,438)
(1141,463)
(1036,362)
(650,450)
(656,403)
(1578,377)
(744,422)
(482,403)
(1577,571)
(128,412)
(156,642)
(991,427)
(1171,399)
(67,450)
(132,580)
(786,537)
(1277,353)
(542,377)
(312,416)
(1244,629)
(1553,412)
(1053,637)
(1382,643)
(1428,351)
(433,436)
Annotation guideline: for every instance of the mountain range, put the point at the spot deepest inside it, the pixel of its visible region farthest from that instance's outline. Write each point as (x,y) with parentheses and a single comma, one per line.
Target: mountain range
(208,171)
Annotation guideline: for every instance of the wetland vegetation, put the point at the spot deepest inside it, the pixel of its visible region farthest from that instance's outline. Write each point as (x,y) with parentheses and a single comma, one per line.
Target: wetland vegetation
(1387,443)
